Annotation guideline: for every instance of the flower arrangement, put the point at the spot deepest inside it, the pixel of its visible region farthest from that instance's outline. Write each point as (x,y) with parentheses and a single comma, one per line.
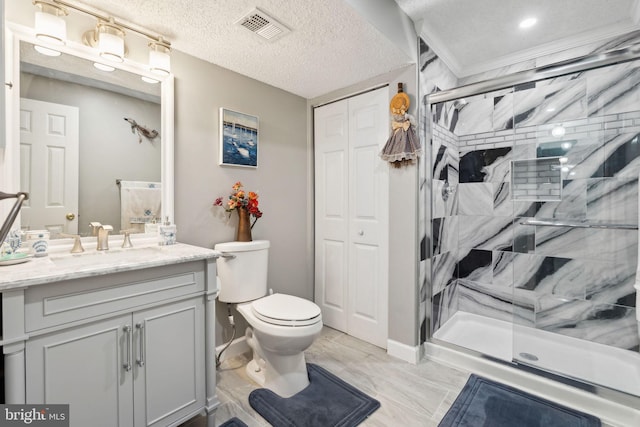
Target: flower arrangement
(240,199)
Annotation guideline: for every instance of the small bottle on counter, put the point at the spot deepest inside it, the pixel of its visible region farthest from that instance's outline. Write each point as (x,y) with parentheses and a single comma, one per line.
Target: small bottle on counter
(151,227)
(167,233)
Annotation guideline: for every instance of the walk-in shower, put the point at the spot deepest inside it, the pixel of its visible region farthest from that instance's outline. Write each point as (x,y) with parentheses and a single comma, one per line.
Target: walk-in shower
(532,219)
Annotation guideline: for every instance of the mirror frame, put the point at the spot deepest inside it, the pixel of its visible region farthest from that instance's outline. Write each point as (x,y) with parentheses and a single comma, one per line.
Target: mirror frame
(10,161)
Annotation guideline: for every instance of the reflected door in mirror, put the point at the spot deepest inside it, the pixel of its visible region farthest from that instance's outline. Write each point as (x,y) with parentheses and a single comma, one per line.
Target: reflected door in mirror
(49,136)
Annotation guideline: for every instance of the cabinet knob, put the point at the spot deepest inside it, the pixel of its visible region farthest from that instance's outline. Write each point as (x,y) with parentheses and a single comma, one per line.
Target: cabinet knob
(361,233)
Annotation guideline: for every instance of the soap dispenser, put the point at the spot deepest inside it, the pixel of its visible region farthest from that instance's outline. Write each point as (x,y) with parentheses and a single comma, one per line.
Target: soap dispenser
(167,233)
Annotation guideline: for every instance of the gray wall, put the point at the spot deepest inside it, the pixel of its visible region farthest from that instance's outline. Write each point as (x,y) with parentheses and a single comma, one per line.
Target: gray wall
(282,178)
(108,149)
(2,115)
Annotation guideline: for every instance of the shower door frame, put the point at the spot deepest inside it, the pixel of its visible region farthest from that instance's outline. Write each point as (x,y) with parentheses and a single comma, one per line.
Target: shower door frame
(558,69)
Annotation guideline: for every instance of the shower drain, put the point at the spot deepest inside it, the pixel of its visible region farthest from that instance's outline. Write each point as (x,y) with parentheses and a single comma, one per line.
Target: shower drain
(529,356)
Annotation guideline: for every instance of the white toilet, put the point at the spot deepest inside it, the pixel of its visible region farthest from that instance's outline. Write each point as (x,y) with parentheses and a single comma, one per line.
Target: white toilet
(282,326)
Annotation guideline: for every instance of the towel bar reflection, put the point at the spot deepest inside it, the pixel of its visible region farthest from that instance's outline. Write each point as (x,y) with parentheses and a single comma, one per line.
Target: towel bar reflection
(579,224)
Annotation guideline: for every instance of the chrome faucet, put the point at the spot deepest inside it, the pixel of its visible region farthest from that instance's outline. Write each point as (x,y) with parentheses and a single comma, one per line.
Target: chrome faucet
(102,234)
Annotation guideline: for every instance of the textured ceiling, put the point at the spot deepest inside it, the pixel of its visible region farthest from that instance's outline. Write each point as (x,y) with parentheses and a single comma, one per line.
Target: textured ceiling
(472,36)
(330,46)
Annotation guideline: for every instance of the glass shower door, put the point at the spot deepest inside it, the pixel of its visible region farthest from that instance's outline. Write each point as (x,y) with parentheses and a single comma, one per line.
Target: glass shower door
(575,235)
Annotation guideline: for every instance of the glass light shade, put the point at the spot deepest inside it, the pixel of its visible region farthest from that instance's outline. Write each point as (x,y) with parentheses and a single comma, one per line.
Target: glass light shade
(103,67)
(46,51)
(159,60)
(111,42)
(149,80)
(50,28)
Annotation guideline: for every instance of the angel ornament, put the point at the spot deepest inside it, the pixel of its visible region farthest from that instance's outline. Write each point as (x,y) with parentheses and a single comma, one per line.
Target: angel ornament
(403,146)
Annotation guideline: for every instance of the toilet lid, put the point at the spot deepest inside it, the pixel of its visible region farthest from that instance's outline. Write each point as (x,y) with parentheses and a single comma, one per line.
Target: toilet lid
(286,310)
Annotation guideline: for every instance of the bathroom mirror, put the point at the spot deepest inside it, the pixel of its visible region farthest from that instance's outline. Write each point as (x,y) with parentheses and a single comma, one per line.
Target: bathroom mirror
(83,141)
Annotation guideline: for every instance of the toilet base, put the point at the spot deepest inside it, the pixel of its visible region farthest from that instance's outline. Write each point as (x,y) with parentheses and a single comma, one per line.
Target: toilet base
(255,372)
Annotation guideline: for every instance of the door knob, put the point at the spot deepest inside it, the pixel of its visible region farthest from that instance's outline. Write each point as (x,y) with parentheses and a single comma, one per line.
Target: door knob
(71,216)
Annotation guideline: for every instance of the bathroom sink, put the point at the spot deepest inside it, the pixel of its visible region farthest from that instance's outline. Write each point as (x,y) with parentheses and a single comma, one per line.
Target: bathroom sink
(109,257)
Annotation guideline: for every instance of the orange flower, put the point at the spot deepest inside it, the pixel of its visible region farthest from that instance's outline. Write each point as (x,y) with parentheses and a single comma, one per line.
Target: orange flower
(239,199)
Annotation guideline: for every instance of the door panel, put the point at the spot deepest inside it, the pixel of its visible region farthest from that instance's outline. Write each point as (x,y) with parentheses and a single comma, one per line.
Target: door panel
(368,217)
(331,132)
(168,354)
(83,367)
(49,144)
(352,215)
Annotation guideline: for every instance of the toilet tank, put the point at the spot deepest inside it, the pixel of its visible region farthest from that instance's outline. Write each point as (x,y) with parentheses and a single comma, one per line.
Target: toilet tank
(244,277)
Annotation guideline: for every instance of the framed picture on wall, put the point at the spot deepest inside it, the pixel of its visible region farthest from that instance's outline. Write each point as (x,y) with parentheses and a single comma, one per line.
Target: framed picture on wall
(238,139)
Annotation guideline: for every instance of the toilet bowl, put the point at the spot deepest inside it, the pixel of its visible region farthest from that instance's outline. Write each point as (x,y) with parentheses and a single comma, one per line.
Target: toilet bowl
(281,327)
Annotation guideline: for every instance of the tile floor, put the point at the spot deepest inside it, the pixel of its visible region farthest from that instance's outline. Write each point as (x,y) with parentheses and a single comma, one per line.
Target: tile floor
(410,395)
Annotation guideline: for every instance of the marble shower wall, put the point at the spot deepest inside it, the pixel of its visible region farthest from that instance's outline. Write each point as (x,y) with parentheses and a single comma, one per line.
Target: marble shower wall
(573,281)
(434,76)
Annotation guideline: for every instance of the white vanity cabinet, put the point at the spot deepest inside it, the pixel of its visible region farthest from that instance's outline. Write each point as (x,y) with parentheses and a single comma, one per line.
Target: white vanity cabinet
(125,349)
(140,369)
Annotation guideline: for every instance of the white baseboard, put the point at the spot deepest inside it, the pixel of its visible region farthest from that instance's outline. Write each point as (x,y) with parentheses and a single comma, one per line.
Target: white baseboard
(404,352)
(237,347)
(610,412)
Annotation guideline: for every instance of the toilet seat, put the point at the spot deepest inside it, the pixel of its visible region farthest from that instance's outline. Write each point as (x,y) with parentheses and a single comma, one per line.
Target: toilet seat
(286,310)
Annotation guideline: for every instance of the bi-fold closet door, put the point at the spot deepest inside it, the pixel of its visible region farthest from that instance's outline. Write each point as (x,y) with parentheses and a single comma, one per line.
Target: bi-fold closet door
(352,214)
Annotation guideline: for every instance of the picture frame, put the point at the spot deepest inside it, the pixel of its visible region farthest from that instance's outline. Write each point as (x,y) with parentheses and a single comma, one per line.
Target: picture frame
(239,134)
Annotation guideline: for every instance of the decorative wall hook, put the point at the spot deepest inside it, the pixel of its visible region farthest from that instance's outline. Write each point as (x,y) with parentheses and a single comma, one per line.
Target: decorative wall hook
(142,131)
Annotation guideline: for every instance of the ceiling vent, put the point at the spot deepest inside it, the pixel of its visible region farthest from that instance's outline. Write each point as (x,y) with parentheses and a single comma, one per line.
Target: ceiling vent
(263,25)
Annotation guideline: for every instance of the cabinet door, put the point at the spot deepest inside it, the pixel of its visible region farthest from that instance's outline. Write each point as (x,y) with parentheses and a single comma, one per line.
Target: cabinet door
(169,362)
(85,368)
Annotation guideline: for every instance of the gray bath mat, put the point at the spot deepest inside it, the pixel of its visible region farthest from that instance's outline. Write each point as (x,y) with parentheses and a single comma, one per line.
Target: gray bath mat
(485,403)
(326,402)
(233,422)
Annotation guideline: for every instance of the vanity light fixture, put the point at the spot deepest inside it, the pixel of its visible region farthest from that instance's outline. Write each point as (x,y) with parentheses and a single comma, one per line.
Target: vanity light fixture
(49,25)
(159,59)
(107,37)
(110,41)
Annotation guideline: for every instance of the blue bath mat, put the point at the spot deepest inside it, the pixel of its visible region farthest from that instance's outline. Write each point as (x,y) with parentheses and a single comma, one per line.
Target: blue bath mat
(485,403)
(233,422)
(326,402)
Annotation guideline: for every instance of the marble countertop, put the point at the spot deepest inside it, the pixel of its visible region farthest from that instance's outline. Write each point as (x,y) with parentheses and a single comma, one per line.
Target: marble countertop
(59,264)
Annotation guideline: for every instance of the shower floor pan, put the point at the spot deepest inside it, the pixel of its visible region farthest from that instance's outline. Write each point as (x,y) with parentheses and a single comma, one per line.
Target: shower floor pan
(579,359)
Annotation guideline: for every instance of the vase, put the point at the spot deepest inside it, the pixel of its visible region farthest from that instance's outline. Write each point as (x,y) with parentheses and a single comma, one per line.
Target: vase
(243,234)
